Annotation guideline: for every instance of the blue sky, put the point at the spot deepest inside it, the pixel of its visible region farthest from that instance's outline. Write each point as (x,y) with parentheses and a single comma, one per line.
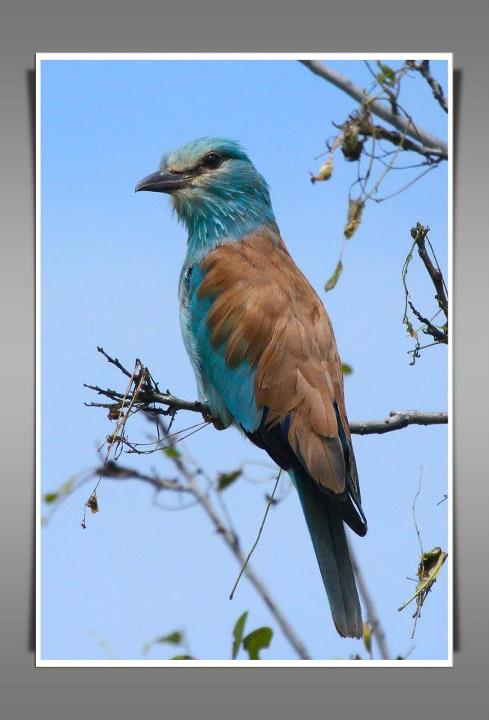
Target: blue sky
(110,262)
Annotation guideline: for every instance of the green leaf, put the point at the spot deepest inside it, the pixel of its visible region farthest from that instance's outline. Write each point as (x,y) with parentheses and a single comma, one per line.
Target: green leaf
(387,74)
(334,277)
(182,657)
(346,369)
(410,329)
(173,638)
(51,497)
(225,479)
(171,452)
(256,641)
(64,489)
(238,633)
(367,637)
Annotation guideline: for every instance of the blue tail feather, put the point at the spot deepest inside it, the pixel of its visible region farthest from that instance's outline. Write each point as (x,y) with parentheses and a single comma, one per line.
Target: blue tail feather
(328,536)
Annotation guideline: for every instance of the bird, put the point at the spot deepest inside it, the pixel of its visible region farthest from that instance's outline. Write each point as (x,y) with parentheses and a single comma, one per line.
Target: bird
(262,347)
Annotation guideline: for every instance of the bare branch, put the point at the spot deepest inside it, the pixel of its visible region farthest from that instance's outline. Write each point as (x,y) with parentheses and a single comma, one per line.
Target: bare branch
(232,541)
(424,69)
(430,329)
(420,235)
(398,421)
(369,129)
(372,616)
(146,400)
(114,361)
(377,108)
(114,471)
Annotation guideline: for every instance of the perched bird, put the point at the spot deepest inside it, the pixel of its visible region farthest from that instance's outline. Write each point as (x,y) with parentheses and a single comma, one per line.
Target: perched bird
(263,349)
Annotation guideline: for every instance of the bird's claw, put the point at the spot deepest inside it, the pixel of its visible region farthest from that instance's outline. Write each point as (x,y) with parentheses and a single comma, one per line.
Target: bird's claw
(218,424)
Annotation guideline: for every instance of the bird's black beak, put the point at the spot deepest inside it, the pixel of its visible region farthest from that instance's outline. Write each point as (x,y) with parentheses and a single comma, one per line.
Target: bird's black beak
(162,181)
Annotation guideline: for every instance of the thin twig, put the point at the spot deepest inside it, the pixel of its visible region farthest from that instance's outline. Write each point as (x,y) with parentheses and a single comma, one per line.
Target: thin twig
(368,129)
(137,377)
(434,272)
(269,504)
(396,420)
(430,329)
(414,509)
(372,615)
(377,108)
(231,540)
(114,361)
(424,69)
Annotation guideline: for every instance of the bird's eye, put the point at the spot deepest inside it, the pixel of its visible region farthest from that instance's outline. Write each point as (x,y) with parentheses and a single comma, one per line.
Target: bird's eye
(211,161)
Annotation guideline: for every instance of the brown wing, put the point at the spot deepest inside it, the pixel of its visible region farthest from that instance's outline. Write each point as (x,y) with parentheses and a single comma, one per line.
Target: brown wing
(268,314)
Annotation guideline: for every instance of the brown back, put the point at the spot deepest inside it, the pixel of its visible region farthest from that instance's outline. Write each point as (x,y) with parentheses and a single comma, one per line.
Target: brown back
(267,313)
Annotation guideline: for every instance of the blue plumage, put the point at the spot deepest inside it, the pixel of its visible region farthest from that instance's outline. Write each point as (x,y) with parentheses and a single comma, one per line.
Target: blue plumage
(228,391)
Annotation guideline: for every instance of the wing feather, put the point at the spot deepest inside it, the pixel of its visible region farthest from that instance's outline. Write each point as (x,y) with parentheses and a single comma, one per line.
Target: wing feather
(266,313)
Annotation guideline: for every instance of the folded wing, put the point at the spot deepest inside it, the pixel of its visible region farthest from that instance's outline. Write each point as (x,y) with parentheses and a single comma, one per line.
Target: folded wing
(270,333)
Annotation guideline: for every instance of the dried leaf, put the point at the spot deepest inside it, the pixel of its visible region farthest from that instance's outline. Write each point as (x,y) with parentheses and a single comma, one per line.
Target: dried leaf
(324,172)
(367,637)
(354,218)
(428,570)
(334,277)
(410,328)
(92,503)
(352,145)
(115,412)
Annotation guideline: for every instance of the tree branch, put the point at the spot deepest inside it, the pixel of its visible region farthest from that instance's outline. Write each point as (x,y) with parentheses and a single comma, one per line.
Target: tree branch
(369,129)
(420,234)
(438,335)
(397,420)
(191,486)
(372,616)
(145,400)
(377,108)
(424,69)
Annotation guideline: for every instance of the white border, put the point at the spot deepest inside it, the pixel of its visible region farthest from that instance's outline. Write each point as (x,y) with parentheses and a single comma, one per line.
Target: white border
(40,662)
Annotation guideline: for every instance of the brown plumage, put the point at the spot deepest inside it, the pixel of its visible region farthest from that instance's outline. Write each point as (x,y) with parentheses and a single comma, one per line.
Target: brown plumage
(268,314)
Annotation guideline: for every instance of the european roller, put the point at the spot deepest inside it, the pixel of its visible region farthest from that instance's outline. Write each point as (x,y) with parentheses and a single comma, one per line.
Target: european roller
(262,347)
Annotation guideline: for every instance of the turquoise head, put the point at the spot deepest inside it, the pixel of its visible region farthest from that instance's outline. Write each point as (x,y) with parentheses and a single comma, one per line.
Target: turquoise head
(216,192)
